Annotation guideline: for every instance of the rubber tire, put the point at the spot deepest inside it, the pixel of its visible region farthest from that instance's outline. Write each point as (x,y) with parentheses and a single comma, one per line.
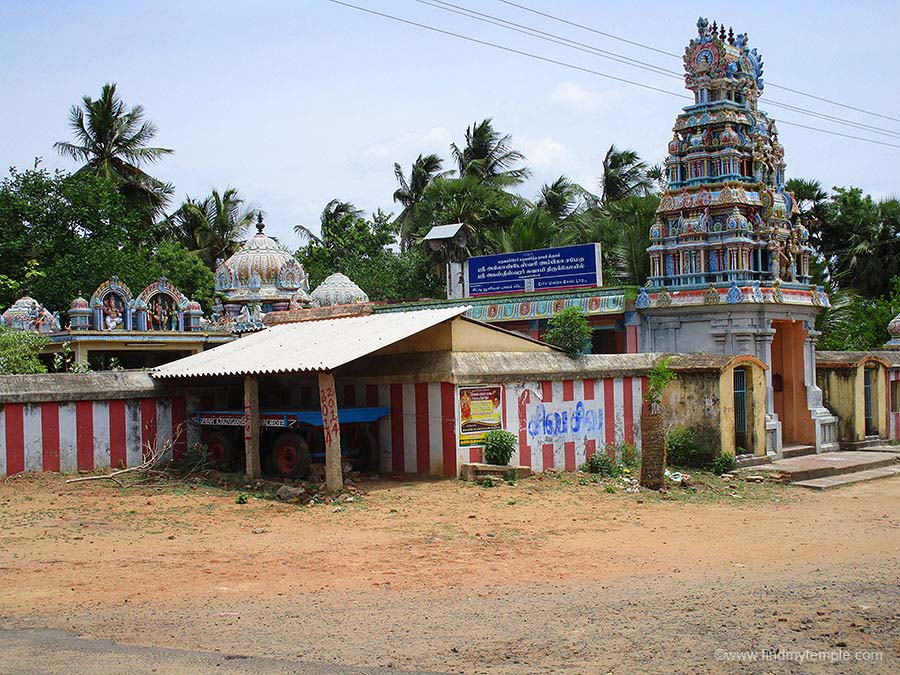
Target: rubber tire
(221,449)
(290,457)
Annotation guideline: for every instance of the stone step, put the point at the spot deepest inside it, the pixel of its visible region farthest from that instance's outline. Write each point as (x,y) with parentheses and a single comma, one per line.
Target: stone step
(829,482)
(788,451)
(827,464)
(745,461)
(867,444)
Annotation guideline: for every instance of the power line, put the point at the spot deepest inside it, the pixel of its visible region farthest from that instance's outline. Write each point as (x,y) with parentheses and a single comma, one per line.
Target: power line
(549,37)
(635,63)
(582,69)
(677,56)
(508,49)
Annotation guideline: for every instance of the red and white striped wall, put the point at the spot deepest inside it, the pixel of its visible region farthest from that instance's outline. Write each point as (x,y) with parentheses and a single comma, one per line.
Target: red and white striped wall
(420,435)
(87,435)
(893,417)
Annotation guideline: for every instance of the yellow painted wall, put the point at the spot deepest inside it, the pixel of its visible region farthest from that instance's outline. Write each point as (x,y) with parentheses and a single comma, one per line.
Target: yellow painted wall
(844,394)
(756,408)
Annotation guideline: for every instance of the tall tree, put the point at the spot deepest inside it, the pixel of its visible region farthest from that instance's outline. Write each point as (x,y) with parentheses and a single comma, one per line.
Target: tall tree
(488,156)
(213,227)
(411,191)
(624,175)
(112,141)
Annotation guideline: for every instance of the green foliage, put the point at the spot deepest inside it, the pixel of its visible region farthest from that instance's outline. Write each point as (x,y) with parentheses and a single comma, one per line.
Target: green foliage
(601,464)
(499,446)
(213,227)
(723,463)
(660,376)
(610,489)
(628,453)
(64,361)
(856,323)
(360,247)
(685,450)
(569,330)
(62,235)
(19,350)
(111,140)
(241,498)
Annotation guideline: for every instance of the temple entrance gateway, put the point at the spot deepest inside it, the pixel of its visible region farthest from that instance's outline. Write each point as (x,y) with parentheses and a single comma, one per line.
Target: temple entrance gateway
(789,383)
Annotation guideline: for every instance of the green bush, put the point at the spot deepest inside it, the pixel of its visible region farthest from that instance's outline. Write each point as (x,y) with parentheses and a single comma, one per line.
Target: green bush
(569,330)
(723,463)
(628,454)
(499,447)
(600,463)
(685,450)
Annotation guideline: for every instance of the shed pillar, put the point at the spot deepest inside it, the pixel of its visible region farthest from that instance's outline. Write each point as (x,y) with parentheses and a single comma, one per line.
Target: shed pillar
(328,399)
(251,426)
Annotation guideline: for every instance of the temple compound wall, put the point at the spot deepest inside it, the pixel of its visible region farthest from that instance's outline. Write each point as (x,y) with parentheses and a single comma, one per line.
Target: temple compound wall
(82,422)
(562,410)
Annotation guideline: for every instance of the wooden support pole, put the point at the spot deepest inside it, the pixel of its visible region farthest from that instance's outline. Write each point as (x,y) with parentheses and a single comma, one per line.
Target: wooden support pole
(333,474)
(251,426)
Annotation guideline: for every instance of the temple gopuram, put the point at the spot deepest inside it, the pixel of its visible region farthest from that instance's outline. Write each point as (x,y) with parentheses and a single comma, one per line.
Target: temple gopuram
(729,257)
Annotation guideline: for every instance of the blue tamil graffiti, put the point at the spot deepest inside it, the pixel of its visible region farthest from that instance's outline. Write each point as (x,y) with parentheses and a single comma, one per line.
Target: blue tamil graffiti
(564,419)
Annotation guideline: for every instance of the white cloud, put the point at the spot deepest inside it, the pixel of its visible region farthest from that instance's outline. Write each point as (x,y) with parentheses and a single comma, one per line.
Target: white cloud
(575,97)
(380,157)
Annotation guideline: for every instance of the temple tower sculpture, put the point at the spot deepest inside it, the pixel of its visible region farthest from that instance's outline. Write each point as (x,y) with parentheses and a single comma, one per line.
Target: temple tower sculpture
(262,276)
(729,258)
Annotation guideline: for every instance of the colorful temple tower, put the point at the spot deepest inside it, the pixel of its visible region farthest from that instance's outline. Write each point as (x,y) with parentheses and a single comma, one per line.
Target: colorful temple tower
(729,258)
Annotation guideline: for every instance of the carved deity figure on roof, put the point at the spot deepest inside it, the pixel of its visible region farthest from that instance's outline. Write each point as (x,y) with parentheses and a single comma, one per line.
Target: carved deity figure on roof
(112,311)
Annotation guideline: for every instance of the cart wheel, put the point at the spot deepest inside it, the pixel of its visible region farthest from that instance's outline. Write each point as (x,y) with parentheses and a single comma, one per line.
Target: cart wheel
(220,448)
(290,456)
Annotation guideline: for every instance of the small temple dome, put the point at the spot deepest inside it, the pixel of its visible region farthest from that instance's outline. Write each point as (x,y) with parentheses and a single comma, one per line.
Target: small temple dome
(26,313)
(261,273)
(338,289)
(79,303)
(260,256)
(894,327)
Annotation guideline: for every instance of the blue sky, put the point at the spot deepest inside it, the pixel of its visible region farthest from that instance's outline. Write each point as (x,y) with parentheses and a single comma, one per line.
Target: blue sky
(296,103)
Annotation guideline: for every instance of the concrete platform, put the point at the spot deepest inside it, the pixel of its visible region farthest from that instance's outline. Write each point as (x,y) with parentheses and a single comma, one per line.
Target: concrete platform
(830,482)
(811,467)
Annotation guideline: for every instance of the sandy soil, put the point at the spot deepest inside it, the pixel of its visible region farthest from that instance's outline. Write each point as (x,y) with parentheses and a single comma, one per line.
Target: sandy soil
(544,576)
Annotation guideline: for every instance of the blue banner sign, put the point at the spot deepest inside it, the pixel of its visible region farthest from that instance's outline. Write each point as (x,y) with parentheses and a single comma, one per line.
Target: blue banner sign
(549,269)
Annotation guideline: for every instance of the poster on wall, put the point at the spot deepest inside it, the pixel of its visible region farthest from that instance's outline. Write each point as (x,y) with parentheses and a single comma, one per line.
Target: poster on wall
(480,411)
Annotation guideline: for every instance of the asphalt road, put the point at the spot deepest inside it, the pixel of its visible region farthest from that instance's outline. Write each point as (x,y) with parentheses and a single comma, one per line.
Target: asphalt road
(33,651)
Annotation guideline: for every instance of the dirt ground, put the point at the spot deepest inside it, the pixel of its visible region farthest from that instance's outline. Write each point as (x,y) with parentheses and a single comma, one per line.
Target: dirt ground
(546,576)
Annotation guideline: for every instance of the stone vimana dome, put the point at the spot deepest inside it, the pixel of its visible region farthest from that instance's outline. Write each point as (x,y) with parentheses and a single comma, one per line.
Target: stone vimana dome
(338,289)
(261,272)
(26,313)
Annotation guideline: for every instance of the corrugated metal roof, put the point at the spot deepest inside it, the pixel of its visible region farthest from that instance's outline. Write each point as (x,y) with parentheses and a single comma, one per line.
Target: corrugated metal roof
(308,345)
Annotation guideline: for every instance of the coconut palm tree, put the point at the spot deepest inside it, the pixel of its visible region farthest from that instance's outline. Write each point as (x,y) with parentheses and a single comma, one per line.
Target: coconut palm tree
(213,227)
(623,230)
(411,191)
(565,200)
(111,140)
(534,230)
(624,175)
(488,156)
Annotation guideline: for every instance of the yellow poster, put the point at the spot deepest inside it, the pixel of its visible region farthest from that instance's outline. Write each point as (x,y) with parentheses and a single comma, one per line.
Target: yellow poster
(480,411)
